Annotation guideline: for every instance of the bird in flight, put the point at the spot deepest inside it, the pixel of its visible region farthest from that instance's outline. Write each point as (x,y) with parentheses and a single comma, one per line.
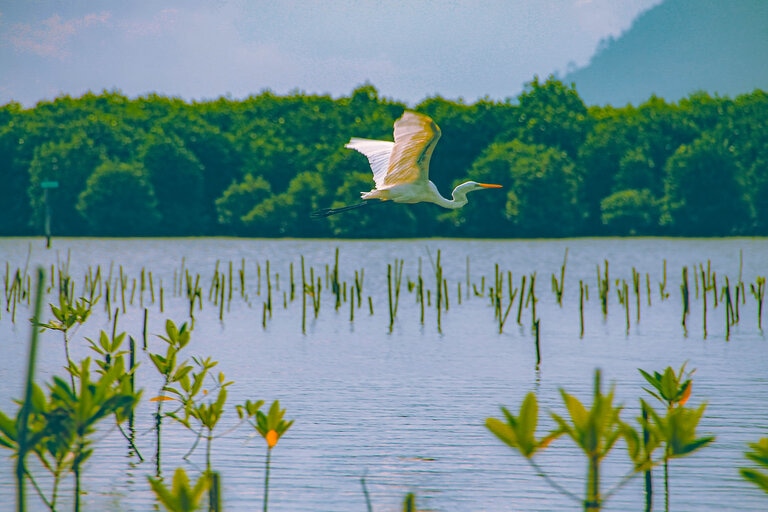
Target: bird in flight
(401,168)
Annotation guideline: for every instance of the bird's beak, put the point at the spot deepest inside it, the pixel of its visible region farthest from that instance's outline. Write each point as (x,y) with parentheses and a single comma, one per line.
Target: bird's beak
(489,185)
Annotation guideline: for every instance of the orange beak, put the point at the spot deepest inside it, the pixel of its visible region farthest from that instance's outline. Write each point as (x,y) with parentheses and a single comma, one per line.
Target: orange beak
(489,185)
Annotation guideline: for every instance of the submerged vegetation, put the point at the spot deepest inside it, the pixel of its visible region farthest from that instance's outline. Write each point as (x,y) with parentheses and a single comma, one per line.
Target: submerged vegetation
(105,164)
(257,285)
(56,423)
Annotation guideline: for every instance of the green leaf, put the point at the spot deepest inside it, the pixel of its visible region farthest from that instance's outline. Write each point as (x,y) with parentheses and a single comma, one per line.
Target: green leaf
(579,414)
(504,432)
(529,415)
(669,384)
(7,426)
(756,477)
(691,447)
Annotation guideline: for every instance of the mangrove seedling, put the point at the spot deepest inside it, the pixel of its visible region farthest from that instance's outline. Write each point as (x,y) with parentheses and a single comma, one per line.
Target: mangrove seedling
(270,426)
(672,389)
(68,316)
(677,430)
(198,416)
(595,431)
(177,338)
(109,348)
(74,412)
(41,437)
(182,496)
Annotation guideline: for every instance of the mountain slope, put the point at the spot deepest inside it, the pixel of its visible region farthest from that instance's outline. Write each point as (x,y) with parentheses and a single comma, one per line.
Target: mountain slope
(679,47)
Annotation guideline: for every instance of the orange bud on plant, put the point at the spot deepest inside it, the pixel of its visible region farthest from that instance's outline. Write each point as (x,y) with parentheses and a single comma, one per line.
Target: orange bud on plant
(686,394)
(271,439)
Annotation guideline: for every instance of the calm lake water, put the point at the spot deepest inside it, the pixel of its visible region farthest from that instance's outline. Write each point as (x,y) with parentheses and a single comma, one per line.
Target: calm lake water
(406,409)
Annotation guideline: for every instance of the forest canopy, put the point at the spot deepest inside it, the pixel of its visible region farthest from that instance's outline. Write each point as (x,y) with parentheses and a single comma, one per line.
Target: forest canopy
(257,167)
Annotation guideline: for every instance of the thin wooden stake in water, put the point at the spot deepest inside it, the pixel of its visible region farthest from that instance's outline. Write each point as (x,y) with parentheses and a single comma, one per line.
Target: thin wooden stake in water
(704,298)
(221,297)
(532,297)
(663,284)
(626,304)
(520,304)
(557,286)
(648,287)
(293,285)
(439,292)
(303,298)
(538,345)
(123,284)
(603,287)
(144,328)
(269,293)
(686,299)
(729,317)
(467,277)
(581,308)
(420,292)
(389,296)
(636,289)
(758,291)
(352,303)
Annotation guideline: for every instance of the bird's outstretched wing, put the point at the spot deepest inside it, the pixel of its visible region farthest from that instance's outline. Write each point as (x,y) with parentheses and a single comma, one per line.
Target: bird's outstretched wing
(415,138)
(378,152)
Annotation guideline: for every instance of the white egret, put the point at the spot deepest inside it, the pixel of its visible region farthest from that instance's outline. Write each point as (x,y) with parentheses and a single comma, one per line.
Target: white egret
(401,168)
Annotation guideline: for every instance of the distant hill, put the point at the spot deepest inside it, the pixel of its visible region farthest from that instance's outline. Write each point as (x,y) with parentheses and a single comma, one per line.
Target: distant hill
(679,47)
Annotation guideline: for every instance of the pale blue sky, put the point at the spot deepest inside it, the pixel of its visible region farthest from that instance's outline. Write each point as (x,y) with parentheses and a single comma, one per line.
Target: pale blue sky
(195,49)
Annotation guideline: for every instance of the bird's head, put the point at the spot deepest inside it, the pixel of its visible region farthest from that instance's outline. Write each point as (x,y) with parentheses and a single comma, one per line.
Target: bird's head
(460,192)
(471,186)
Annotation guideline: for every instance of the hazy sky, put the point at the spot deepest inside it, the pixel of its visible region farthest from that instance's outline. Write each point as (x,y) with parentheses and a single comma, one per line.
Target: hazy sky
(196,49)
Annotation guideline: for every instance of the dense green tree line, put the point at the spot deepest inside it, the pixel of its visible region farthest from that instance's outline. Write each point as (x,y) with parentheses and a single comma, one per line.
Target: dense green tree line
(257,167)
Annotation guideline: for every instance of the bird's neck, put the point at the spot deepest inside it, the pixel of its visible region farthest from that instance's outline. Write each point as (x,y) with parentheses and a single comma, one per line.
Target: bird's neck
(459,198)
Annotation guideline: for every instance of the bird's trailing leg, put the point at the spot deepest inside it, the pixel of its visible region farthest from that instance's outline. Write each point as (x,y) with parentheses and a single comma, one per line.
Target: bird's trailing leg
(327,212)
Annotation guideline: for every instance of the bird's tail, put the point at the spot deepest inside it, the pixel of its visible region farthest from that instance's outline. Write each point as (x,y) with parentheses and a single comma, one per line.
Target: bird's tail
(327,212)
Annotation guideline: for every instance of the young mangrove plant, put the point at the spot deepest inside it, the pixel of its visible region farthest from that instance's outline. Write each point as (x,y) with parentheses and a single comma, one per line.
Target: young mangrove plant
(110,350)
(30,432)
(595,431)
(199,416)
(171,371)
(676,430)
(181,496)
(68,316)
(110,395)
(63,425)
(270,426)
